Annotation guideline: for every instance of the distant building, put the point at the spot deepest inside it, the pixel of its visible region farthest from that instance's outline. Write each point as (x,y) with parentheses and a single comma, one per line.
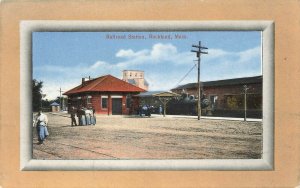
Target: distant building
(136,78)
(55,107)
(106,94)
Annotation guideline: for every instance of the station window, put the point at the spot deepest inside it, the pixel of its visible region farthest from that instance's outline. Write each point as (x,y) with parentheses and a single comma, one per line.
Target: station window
(89,99)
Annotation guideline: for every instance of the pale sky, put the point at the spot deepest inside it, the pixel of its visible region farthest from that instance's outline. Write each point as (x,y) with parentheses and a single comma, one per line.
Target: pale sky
(61,59)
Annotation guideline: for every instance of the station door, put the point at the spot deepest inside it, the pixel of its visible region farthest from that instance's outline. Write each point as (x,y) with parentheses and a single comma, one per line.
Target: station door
(116,106)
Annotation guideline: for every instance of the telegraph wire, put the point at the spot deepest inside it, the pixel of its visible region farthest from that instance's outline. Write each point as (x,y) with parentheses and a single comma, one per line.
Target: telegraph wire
(185,75)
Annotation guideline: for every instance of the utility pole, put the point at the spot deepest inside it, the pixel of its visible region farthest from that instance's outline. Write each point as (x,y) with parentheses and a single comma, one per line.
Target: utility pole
(245,88)
(198,52)
(60,99)
(43,96)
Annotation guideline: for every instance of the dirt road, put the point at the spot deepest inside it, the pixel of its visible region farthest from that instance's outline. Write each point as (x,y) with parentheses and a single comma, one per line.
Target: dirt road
(119,137)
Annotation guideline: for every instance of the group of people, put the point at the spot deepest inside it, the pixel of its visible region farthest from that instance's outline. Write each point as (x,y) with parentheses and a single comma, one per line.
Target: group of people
(85,116)
(146,110)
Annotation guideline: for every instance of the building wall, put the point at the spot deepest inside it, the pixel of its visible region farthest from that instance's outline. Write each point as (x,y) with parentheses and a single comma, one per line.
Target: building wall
(125,110)
(55,108)
(96,102)
(131,74)
(236,91)
(137,76)
(222,92)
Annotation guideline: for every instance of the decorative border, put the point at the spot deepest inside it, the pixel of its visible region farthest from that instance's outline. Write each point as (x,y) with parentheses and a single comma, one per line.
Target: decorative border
(29,164)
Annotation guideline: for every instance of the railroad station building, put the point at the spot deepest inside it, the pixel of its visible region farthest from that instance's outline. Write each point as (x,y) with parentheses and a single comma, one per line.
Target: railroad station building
(227,96)
(106,94)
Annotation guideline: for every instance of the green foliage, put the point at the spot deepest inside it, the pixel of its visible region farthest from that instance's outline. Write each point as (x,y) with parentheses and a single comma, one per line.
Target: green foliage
(36,94)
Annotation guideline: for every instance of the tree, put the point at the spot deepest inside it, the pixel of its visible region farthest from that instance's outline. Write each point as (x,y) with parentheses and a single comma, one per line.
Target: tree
(36,94)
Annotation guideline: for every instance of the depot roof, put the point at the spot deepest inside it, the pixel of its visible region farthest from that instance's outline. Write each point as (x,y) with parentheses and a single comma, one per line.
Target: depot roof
(106,83)
(227,82)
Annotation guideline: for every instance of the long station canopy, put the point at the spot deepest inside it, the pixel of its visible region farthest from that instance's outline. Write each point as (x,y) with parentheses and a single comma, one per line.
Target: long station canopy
(158,94)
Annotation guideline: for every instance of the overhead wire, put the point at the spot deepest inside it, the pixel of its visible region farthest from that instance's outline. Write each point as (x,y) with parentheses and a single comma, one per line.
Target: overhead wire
(185,75)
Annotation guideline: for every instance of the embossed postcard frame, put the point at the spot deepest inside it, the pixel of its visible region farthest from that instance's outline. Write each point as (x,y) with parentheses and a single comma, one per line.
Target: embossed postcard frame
(267,32)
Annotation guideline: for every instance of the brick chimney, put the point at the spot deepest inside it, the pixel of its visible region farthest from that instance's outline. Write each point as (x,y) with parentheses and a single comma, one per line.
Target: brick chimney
(84,79)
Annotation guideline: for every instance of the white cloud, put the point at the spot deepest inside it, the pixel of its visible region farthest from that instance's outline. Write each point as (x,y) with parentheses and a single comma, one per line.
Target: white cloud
(79,69)
(51,87)
(183,58)
(236,57)
(130,53)
(216,53)
(99,64)
(233,65)
(157,54)
(249,54)
(161,82)
(69,77)
(171,79)
(143,59)
(163,51)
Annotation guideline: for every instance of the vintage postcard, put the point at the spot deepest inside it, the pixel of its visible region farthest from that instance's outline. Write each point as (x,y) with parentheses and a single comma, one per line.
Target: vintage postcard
(151,95)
